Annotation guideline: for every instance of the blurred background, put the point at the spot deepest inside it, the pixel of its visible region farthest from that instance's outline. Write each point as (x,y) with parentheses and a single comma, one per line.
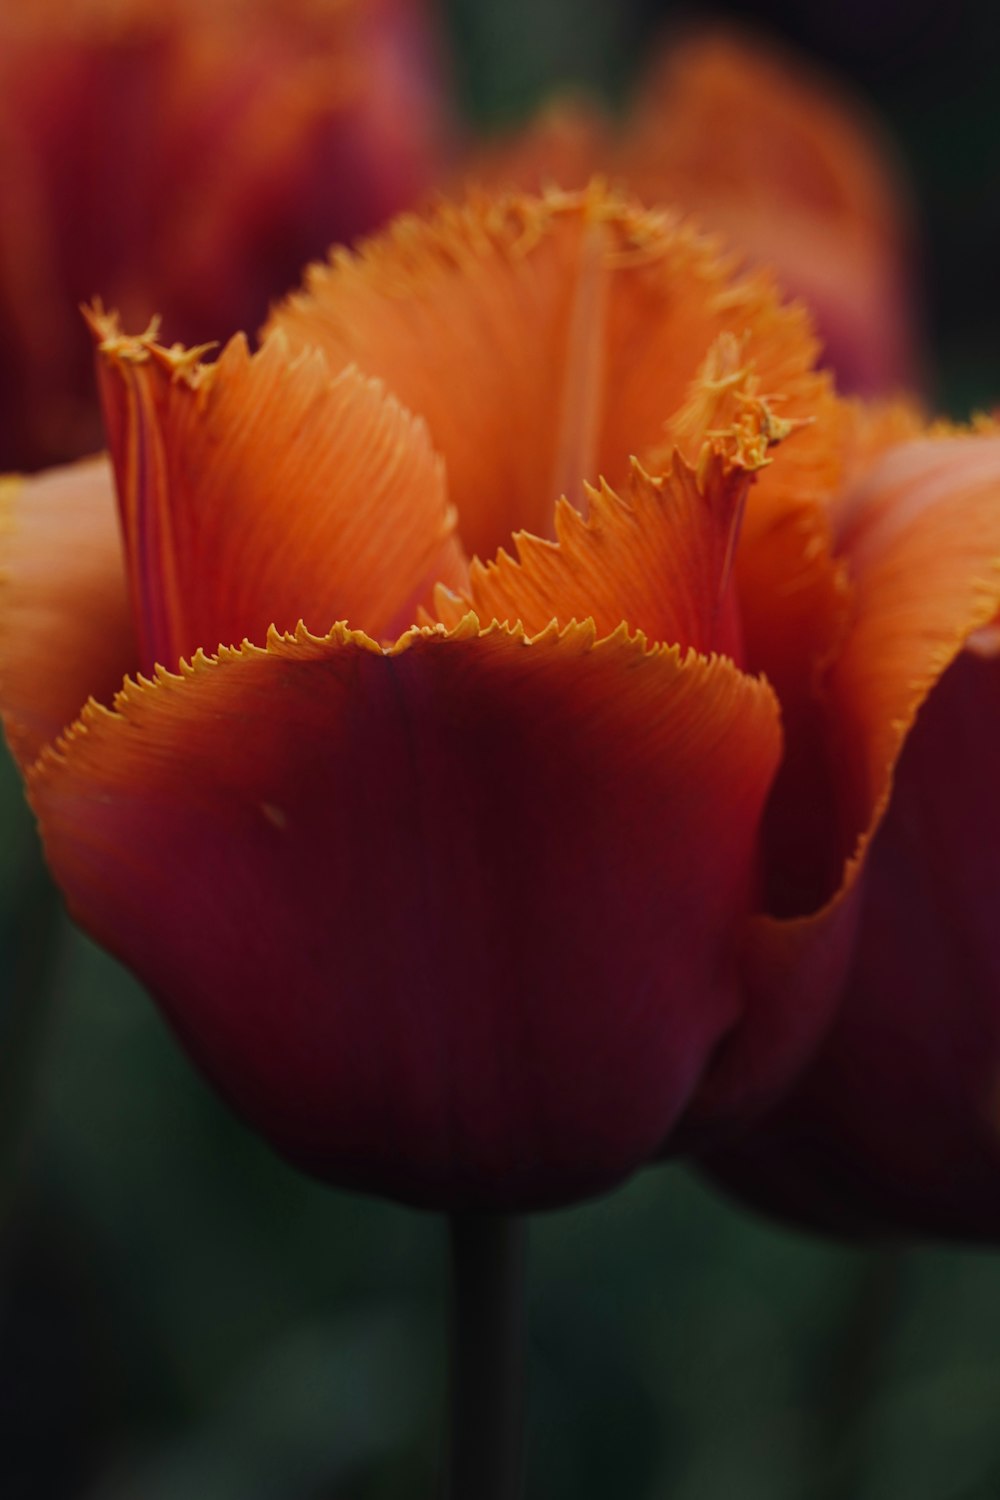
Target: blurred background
(184,1318)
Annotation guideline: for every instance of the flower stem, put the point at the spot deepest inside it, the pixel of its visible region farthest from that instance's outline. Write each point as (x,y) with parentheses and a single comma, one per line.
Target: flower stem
(485,1458)
(840,1460)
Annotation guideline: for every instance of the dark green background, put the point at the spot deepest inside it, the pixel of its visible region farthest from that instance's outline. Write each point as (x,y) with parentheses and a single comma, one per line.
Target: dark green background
(183,1318)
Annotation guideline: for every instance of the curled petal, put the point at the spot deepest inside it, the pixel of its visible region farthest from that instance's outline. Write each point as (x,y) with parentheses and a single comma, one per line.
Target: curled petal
(65,629)
(258,491)
(919,534)
(792,591)
(796,600)
(660,558)
(896,1127)
(459,919)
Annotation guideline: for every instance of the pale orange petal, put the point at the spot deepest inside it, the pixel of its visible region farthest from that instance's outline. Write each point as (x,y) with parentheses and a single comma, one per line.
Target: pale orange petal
(258,491)
(65,628)
(546,341)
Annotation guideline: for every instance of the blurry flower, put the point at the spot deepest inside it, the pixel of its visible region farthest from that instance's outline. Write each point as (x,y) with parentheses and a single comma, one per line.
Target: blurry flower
(761,147)
(494,906)
(187,158)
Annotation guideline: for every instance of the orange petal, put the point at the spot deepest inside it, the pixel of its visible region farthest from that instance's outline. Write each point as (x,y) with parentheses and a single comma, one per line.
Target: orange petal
(794,591)
(790,585)
(258,491)
(661,560)
(550,337)
(921,536)
(455,922)
(65,630)
(794,587)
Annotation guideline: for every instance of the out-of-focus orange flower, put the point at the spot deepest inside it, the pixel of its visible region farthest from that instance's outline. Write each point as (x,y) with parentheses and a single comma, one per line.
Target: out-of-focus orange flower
(188,158)
(761,147)
(527,870)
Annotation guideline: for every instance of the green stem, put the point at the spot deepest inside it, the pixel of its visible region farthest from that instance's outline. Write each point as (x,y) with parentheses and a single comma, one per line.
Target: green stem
(857,1374)
(485,1459)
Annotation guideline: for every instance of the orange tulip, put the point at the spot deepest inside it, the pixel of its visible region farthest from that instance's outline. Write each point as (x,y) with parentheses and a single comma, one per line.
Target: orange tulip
(469,881)
(762,148)
(187,158)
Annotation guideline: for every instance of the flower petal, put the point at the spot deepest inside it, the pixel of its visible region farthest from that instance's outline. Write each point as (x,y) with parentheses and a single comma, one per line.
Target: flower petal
(455,922)
(65,630)
(660,559)
(258,491)
(896,1127)
(552,335)
(920,536)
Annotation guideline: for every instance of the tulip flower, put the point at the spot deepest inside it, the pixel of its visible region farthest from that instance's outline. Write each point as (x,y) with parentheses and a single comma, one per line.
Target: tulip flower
(470,878)
(188,159)
(439,867)
(474,716)
(765,150)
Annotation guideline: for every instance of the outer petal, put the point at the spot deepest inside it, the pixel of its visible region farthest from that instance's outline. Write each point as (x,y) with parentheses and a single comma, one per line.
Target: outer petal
(455,923)
(554,334)
(896,1127)
(65,629)
(920,535)
(258,491)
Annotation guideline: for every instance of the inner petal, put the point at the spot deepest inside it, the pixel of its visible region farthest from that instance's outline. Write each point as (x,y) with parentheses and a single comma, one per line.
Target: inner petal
(657,557)
(545,340)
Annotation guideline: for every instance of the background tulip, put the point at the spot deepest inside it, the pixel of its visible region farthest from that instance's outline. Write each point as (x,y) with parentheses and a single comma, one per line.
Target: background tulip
(187,159)
(788,169)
